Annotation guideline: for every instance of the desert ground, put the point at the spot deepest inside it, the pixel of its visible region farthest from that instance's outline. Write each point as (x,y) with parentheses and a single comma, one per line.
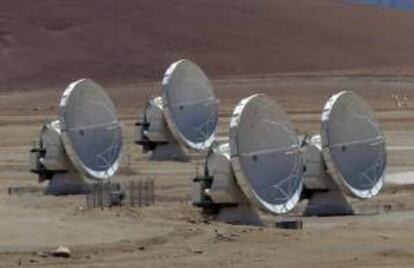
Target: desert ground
(173,232)
(298,53)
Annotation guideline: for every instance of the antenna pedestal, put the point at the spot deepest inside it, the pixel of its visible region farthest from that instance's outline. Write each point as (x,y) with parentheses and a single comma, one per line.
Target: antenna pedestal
(234,207)
(67,183)
(49,160)
(171,151)
(220,195)
(153,134)
(241,214)
(329,203)
(230,205)
(325,197)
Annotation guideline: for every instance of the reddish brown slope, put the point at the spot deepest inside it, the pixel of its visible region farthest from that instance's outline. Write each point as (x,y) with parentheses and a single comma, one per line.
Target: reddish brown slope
(50,42)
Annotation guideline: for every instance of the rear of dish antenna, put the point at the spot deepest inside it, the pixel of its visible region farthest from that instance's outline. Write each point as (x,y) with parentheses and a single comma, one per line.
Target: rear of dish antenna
(83,145)
(261,168)
(347,159)
(185,116)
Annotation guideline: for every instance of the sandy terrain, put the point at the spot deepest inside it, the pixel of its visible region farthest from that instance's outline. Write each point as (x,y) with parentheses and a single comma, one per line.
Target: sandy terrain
(172,233)
(51,42)
(297,52)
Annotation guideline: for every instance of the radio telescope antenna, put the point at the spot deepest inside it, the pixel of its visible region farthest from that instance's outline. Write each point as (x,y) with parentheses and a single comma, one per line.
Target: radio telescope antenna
(83,145)
(347,159)
(262,167)
(184,117)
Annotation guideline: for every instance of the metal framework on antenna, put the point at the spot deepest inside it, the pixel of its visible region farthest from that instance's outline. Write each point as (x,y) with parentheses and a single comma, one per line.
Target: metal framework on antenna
(183,119)
(228,188)
(84,145)
(347,159)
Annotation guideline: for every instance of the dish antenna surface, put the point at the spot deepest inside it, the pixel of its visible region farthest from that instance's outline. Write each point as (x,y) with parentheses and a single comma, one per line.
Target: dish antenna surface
(83,145)
(185,116)
(347,159)
(262,166)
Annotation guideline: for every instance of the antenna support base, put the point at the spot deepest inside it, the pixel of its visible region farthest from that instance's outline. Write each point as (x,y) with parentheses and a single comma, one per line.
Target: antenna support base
(67,183)
(328,203)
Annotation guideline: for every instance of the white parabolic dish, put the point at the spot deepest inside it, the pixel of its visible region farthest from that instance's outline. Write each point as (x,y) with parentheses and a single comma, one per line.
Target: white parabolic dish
(90,128)
(353,145)
(190,106)
(265,153)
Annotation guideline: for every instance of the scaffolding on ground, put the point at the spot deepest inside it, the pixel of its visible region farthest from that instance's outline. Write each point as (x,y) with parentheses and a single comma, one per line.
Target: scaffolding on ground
(137,193)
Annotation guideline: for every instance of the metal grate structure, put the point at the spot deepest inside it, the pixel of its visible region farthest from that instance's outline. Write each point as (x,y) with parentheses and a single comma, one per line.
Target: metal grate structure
(133,194)
(141,193)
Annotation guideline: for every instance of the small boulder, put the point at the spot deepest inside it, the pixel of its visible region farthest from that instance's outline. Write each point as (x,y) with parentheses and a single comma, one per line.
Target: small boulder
(63,252)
